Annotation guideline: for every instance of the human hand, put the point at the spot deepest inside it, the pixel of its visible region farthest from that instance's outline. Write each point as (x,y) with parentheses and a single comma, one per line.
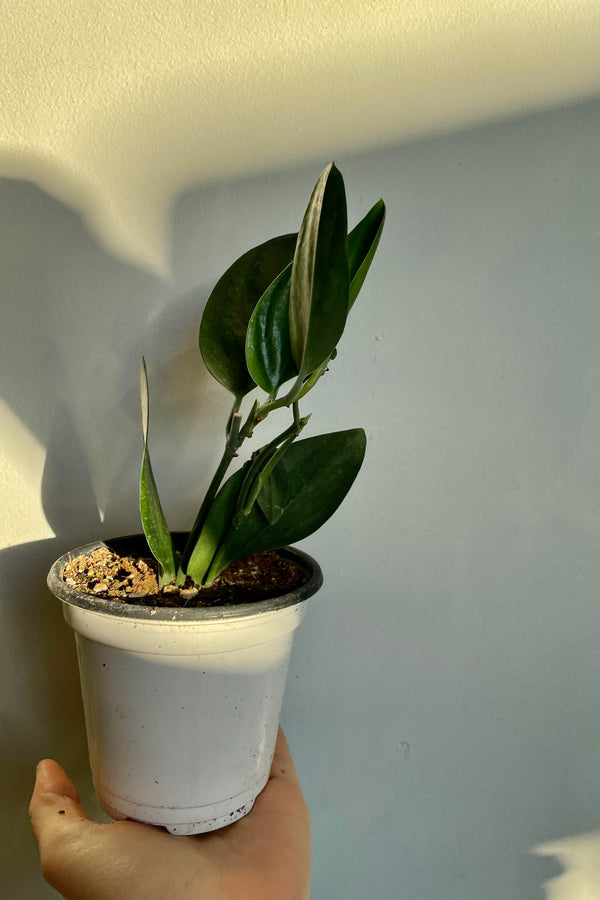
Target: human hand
(264,856)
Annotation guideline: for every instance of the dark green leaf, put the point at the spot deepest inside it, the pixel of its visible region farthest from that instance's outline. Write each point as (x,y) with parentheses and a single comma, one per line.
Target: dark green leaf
(154,523)
(229,307)
(268,349)
(320,279)
(320,472)
(362,244)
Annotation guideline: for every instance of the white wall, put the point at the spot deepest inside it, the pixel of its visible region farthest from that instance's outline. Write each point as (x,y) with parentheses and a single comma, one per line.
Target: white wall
(442,705)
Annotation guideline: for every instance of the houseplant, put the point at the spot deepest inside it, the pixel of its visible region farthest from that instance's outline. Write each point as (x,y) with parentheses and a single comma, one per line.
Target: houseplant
(169,659)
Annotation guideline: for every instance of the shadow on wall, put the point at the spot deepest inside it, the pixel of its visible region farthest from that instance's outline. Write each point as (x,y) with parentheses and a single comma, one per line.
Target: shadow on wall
(75,325)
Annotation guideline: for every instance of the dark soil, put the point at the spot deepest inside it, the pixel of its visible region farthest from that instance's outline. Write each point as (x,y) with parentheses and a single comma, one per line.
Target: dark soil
(134,579)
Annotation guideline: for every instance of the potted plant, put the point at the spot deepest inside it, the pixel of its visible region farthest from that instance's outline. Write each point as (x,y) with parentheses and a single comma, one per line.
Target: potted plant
(184,640)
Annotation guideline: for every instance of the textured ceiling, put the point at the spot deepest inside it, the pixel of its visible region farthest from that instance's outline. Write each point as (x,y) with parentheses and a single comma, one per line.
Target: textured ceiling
(115,108)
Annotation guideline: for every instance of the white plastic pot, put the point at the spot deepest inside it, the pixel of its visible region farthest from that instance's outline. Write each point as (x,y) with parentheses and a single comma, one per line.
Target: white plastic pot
(182,705)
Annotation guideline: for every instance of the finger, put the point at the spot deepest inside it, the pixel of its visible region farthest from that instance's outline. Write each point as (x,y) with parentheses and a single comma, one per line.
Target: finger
(54,802)
(283,765)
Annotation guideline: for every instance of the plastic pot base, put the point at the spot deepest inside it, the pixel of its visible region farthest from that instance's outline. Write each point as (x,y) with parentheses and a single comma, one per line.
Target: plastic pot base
(198,819)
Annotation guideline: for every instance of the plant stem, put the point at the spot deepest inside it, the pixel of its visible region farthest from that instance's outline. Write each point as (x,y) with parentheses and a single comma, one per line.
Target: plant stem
(231,421)
(250,422)
(263,411)
(299,389)
(235,437)
(261,459)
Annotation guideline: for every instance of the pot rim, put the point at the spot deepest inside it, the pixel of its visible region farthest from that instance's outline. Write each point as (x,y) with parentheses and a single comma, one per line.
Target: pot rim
(171,614)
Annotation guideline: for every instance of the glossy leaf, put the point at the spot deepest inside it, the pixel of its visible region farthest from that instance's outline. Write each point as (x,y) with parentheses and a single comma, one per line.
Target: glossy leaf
(268,348)
(362,244)
(319,286)
(320,472)
(154,523)
(229,307)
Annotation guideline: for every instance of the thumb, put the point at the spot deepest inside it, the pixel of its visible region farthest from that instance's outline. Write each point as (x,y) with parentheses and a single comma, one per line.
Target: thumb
(54,808)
